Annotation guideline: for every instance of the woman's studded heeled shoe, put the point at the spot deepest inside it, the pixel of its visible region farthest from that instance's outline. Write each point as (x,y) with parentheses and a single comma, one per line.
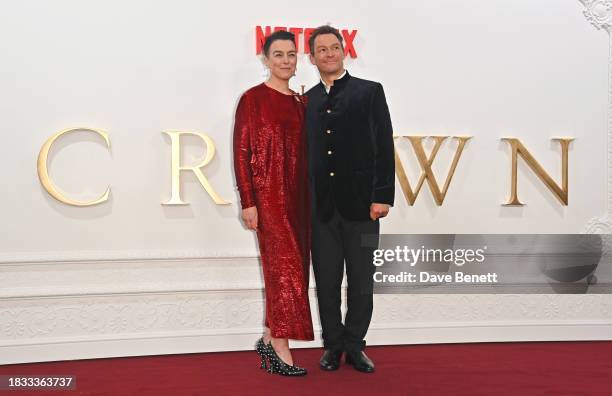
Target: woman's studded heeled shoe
(277,366)
(261,349)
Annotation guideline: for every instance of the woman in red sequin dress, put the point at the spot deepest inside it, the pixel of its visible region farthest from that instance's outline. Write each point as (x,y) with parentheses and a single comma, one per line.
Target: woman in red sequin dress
(271,175)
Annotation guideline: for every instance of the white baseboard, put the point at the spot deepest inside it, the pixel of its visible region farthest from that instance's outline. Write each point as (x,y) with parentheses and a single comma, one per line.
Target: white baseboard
(164,344)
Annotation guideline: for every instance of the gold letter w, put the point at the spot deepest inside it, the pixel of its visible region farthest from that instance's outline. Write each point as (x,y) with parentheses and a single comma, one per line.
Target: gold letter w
(426,172)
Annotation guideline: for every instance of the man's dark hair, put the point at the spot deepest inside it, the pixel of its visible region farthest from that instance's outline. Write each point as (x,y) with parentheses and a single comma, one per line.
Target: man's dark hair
(278,35)
(325,29)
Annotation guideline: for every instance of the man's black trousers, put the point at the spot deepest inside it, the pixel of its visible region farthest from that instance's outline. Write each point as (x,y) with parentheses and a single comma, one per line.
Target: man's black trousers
(335,242)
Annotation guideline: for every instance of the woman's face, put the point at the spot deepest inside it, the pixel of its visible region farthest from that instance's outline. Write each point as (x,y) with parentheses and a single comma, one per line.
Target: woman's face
(281,59)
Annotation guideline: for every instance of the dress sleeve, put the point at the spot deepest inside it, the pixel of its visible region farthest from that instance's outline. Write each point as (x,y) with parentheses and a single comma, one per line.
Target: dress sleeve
(242,152)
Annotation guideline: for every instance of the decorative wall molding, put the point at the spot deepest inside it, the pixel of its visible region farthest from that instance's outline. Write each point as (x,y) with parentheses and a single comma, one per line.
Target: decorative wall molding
(122,255)
(598,13)
(130,277)
(209,275)
(66,327)
(599,225)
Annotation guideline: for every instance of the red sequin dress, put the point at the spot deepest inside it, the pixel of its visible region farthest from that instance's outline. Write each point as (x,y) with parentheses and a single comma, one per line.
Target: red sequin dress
(271,174)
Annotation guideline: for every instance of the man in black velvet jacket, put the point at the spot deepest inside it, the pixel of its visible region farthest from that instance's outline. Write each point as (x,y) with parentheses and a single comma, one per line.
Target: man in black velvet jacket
(352,174)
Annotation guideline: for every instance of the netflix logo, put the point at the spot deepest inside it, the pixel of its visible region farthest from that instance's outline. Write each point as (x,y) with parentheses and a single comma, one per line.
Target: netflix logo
(303,34)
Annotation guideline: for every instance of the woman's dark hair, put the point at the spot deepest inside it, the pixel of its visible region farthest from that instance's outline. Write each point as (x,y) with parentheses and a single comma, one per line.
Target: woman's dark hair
(325,29)
(278,35)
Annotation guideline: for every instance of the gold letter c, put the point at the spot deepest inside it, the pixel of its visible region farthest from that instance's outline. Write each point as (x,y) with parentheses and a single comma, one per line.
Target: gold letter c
(43,174)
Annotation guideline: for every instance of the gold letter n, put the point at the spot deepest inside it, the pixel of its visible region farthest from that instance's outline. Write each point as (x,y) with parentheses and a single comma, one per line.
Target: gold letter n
(518,149)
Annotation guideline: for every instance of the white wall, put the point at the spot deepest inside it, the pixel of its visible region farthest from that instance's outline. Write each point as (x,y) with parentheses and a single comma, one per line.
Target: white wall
(531,70)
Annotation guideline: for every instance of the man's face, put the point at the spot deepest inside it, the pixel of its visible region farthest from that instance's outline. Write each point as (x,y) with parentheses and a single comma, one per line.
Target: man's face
(328,54)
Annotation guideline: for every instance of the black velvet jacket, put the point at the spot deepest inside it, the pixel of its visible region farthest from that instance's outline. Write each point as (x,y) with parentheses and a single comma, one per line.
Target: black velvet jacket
(350,148)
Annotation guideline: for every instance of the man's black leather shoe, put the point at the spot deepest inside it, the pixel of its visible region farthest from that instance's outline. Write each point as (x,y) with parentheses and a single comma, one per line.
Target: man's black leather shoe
(359,361)
(330,360)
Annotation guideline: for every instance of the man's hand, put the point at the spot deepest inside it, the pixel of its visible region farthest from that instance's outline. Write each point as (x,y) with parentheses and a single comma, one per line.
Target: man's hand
(378,210)
(249,216)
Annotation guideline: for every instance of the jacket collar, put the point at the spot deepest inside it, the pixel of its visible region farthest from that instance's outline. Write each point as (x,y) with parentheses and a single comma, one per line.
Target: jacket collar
(339,83)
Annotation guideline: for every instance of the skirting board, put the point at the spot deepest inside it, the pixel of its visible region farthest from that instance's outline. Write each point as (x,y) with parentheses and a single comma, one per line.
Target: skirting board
(198,342)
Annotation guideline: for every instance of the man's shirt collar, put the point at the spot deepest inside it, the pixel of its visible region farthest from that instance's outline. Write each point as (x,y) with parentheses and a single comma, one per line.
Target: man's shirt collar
(328,87)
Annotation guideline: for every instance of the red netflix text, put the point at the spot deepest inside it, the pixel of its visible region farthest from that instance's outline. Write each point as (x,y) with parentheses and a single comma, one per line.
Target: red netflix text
(262,32)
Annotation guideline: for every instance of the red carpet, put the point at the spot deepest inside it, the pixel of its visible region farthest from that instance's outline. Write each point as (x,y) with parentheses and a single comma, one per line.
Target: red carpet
(549,368)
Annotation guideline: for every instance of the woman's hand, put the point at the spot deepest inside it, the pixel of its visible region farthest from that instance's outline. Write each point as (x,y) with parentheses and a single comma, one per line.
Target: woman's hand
(249,216)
